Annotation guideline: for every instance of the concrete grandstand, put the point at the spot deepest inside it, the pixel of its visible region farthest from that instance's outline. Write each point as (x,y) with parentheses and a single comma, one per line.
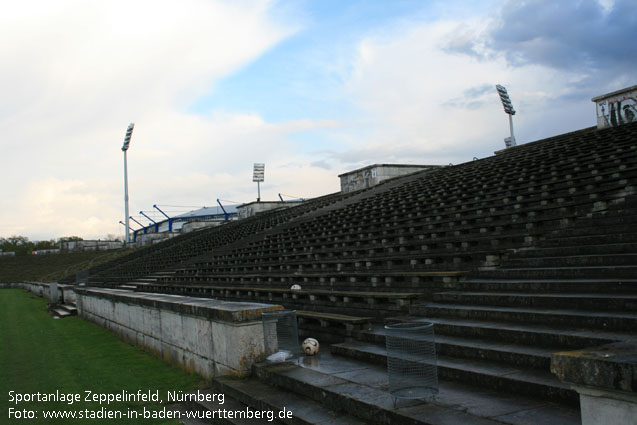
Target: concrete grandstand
(514,258)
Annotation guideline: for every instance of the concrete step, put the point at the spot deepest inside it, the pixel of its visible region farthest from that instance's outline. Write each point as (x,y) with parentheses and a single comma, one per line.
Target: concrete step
(526,356)
(616,259)
(614,321)
(614,216)
(595,249)
(588,239)
(361,389)
(579,301)
(145,280)
(60,312)
(490,374)
(540,336)
(550,285)
(263,397)
(601,230)
(602,272)
(608,218)
(70,308)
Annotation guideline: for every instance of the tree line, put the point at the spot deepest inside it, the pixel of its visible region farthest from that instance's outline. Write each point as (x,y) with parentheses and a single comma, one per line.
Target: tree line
(21,245)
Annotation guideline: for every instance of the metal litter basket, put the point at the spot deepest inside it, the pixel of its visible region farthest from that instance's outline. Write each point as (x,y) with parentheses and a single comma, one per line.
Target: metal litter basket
(280,335)
(411,360)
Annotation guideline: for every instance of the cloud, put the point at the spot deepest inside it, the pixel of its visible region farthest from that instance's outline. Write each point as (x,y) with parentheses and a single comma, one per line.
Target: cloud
(421,101)
(73,75)
(414,89)
(596,39)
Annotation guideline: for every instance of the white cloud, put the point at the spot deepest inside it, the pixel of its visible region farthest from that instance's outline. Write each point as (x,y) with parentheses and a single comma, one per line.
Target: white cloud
(74,73)
(425,103)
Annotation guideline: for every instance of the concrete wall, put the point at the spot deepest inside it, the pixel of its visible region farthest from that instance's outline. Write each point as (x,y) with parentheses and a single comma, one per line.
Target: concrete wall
(152,238)
(210,337)
(46,251)
(63,293)
(79,246)
(195,225)
(254,208)
(372,175)
(616,108)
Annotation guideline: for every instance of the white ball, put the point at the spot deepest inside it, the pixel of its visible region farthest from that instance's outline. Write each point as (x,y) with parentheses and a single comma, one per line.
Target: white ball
(310,346)
(296,287)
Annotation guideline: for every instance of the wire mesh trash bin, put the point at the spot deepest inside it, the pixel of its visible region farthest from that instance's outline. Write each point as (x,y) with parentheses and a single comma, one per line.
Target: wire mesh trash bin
(280,335)
(411,360)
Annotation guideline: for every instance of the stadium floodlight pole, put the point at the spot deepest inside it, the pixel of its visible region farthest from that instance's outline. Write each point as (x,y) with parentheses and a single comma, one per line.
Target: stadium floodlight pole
(129,134)
(508,108)
(258,176)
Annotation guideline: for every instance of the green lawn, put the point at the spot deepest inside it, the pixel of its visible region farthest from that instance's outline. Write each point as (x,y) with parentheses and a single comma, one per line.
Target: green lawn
(72,355)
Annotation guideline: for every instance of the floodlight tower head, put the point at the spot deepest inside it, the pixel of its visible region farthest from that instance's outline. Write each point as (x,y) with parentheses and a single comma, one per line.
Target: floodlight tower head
(508,108)
(506,100)
(258,176)
(129,134)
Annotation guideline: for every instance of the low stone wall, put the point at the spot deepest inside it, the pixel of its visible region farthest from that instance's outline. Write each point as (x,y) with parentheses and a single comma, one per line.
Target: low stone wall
(203,335)
(61,293)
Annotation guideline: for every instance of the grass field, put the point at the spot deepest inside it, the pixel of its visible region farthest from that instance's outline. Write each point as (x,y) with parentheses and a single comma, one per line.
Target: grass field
(40,354)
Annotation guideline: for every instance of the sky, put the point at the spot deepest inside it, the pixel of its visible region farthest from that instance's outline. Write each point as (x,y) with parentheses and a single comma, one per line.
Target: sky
(311,88)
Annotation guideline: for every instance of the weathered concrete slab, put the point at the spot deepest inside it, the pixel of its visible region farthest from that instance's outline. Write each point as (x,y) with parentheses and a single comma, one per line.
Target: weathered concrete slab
(210,337)
(610,367)
(204,307)
(605,378)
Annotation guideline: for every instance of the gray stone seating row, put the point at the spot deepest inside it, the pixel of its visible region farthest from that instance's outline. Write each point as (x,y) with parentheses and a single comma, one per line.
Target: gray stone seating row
(343,265)
(481,199)
(243,256)
(498,184)
(330,328)
(384,242)
(340,237)
(476,214)
(391,192)
(176,250)
(363,303)
(514,322)
(561,205)
(385,281)
(409,229)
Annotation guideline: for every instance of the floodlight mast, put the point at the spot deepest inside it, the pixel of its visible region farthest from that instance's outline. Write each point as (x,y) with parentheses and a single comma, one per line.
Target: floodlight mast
(258,176)
(125,146)
(508,108)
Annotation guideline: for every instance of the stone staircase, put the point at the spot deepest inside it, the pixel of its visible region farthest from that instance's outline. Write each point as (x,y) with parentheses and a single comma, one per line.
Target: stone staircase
(495,334)
(60,311)
(512,257)
(329,389)
(500,328)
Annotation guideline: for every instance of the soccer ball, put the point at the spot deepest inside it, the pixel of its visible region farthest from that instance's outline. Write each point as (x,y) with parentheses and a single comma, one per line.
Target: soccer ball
(310,346)
(296,287)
